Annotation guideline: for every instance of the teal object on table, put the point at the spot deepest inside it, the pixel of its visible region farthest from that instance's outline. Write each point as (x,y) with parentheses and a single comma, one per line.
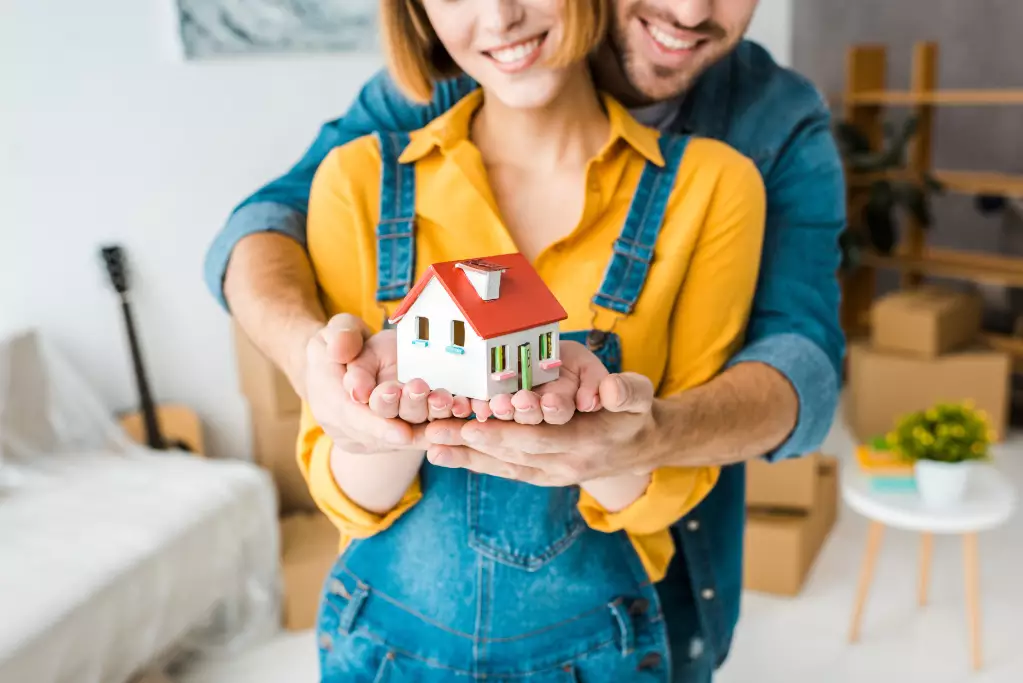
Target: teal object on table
(893,484)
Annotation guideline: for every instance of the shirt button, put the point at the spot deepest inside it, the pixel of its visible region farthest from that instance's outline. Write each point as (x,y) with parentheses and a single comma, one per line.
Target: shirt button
(338,588)
(326,642)
(649,661)
(693,525)
(707,594)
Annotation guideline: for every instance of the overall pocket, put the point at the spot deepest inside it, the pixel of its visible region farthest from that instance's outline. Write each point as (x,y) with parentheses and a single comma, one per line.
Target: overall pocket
(519,524)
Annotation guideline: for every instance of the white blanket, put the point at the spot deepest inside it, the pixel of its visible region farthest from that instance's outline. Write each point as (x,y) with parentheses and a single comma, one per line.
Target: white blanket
(107,561)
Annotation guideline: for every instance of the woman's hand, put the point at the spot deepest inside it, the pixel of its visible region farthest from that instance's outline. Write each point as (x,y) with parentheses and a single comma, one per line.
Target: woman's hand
(554,402)
(372,380)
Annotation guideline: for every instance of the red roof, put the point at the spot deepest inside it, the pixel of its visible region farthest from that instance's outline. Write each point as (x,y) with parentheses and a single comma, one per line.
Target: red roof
(524,301)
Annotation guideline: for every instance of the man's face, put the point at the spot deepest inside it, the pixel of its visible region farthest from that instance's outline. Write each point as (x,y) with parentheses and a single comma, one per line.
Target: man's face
(663,45)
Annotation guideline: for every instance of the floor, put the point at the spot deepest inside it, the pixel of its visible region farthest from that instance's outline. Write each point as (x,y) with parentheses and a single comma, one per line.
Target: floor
(804,638)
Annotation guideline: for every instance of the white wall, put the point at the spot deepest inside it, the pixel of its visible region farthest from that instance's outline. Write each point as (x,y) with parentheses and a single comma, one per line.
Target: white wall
(106,135)
(772,28)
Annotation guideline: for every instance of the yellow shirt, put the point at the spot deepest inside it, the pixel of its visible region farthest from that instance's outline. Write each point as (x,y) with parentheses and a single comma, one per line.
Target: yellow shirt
(688,321)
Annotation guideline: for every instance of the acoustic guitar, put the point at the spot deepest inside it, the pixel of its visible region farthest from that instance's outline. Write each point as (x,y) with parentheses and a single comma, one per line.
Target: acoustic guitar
(160,427)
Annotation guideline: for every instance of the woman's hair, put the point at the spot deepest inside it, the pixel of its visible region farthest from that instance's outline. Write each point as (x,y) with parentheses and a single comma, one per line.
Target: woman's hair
(416,59)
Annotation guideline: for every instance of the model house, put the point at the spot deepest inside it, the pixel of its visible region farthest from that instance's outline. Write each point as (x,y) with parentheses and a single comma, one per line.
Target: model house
(479,327)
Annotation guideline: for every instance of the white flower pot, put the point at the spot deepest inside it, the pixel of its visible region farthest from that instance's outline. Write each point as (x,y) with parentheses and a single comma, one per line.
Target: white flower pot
(941,484)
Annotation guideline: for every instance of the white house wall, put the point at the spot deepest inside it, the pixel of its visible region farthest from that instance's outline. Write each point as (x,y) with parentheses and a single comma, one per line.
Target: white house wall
(512,342)
(462,374)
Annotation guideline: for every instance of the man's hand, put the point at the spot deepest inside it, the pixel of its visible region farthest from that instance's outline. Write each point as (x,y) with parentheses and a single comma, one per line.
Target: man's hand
(344,364)
(621,438)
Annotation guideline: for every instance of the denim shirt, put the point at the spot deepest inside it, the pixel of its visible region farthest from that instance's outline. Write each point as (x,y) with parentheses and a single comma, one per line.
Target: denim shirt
(779,120)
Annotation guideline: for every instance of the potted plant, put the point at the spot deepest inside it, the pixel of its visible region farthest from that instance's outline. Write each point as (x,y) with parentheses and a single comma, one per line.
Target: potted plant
(891,188)
(943,443)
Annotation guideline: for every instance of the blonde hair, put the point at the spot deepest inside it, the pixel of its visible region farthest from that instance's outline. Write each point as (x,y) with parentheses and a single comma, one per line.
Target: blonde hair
(416,58)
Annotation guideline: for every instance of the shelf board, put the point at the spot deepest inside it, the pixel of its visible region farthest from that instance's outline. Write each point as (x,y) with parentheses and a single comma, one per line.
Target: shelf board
(956,265)
(959,182)
(944,97)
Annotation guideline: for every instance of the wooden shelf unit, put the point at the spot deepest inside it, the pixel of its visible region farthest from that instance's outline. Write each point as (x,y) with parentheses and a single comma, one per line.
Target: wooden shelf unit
(863,104)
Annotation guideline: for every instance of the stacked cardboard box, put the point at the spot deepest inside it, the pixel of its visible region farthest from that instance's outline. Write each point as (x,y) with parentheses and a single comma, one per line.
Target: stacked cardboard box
(924,348)
(309,542)
(791,508)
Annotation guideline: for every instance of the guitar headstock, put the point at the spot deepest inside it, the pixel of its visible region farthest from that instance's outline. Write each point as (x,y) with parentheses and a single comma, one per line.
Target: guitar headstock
(117,267)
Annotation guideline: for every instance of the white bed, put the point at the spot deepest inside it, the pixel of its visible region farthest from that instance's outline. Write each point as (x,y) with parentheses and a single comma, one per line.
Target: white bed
(113,558)
(109,561)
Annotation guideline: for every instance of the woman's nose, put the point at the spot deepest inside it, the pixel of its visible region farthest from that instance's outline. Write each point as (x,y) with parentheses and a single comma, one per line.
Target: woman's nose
(502,16)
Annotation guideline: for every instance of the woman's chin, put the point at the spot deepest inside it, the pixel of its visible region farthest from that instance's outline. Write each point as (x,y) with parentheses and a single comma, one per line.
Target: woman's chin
(527,94)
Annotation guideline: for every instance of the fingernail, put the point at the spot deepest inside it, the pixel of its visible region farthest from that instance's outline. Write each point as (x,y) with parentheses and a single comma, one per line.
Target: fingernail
(524,410)
(503,414)
(390,398)
(548,409)
(416,396)
(437,405)
(397,438)
(593,405)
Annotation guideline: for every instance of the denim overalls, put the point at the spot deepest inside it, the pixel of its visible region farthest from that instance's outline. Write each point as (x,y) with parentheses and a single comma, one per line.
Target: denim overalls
(488,579)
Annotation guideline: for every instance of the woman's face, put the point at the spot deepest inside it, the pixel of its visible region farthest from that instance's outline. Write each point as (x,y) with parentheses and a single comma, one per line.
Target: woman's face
(504,45)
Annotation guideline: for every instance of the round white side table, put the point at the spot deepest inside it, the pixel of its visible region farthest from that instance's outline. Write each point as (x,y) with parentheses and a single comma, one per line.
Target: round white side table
(989,501)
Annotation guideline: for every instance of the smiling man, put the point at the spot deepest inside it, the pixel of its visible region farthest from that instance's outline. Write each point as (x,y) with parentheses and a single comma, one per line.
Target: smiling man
(680,66)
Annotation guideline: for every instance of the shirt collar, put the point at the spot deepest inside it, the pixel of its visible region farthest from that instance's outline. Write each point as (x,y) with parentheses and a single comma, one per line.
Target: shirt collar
(453,127)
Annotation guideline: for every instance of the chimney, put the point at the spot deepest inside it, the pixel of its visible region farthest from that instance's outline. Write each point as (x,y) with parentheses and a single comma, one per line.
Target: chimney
(485,277)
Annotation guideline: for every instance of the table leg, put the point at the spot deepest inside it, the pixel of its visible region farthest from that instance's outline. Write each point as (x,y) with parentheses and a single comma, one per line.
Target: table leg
(926,546)
(866,576)
(972,576)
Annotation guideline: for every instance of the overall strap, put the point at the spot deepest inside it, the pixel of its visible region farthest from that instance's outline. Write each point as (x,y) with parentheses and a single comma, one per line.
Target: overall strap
(634,249)
(396,238)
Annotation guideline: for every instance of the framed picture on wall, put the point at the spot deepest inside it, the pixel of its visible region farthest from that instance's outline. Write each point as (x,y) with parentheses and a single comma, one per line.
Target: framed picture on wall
(213,28)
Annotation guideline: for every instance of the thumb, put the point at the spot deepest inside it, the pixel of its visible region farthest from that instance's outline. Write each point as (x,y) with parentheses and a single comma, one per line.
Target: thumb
(344,335)
(626,392)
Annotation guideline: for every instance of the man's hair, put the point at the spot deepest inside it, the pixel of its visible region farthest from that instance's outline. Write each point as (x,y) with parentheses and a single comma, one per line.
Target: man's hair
(416,59)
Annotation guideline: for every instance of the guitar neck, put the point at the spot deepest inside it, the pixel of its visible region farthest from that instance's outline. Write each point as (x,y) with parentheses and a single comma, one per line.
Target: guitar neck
(154,439)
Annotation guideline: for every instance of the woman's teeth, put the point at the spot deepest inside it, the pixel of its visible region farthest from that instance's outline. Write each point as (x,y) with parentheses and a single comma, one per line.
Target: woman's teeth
(517,53)
(669,41)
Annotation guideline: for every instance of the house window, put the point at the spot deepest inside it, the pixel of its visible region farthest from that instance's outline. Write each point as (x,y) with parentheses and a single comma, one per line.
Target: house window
(497,361)
(422,331)
(546,345)
(457,344)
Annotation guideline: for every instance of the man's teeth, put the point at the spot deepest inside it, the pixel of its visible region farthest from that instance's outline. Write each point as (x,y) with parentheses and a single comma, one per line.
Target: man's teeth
(516,54)
(669,41)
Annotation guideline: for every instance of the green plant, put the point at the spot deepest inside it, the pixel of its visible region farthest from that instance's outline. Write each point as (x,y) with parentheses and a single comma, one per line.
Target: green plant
(946,432)
(889,191)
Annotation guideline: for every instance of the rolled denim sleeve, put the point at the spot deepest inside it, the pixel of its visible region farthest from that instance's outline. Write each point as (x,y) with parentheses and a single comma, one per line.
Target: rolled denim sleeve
(280,206)
(795,324)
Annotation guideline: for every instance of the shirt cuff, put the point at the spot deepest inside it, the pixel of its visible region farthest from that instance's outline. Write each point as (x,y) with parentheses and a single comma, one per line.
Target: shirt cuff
(248,220)
(351,519)
(813,377)
(672,492)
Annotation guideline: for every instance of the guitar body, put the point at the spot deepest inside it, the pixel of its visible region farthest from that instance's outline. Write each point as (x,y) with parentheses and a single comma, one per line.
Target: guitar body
(179,425)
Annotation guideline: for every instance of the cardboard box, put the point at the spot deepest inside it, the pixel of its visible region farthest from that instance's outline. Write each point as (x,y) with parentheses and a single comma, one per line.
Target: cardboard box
(781,545)
(309,548)
(926,321)
(789,483)
(267,388)
(274,448)
(883,386)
